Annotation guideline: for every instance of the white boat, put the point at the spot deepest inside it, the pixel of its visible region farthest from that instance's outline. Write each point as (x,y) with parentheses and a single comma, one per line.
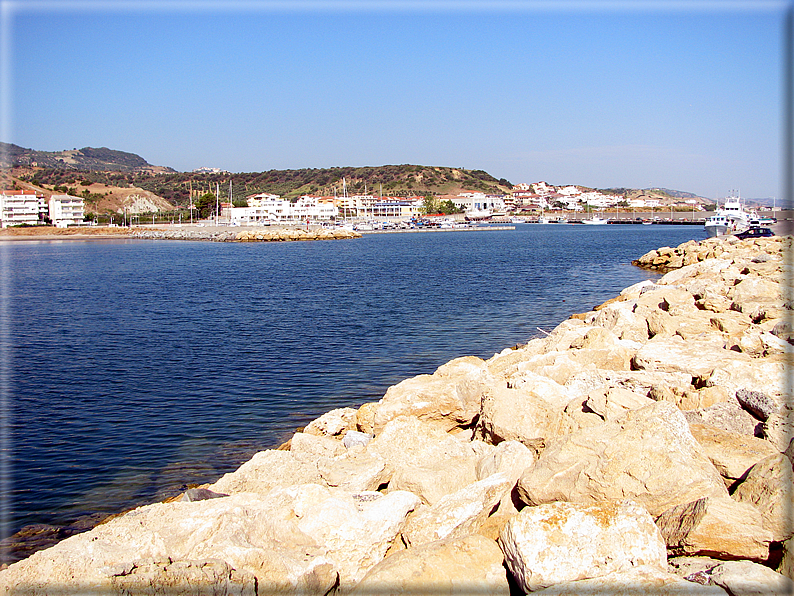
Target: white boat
(595,221)
(731,217)
(543,220)
(478,214)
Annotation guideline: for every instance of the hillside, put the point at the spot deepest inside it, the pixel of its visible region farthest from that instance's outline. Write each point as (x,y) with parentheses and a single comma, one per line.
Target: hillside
(175,187)
(86,159)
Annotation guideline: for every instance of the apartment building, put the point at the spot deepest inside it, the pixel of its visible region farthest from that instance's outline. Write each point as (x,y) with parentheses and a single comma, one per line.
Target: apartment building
(66,210)
(19,207)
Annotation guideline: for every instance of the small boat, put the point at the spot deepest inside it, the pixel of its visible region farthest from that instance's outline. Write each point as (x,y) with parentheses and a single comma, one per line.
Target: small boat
(478,214)
(543,220)
(646,222)
(595,221)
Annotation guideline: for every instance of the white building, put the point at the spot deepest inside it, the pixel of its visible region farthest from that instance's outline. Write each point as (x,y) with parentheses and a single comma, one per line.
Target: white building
(477,201)
(66,210)
(271,209)
(18,207)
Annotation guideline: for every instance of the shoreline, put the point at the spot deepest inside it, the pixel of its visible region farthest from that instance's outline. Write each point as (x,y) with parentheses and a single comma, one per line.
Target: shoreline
(677,311)
(230,233)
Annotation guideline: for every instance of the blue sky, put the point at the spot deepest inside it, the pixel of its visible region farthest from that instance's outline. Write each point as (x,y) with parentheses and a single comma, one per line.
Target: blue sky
(682,95)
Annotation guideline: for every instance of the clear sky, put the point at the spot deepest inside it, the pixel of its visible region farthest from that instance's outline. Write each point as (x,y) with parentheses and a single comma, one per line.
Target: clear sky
(675,94)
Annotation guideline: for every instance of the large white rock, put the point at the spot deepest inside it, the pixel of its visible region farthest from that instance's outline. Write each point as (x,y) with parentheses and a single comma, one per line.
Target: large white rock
(715,527)
(564,542)
(733,454)
(695,358)
(355,471)
(770,488)
(457,514)
(267,470)
(519,415)
(434,480)
(462,566)
(745,578)
(407,441)
(648,455)
(644,580)
(450,397)
(333,423)
(613,402)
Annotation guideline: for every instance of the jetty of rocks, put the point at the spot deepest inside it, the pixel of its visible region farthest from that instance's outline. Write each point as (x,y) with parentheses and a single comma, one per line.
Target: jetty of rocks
(258,235)
(640,448)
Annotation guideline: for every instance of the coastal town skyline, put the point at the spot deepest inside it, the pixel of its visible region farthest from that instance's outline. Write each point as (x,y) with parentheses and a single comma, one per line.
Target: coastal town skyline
(687,96)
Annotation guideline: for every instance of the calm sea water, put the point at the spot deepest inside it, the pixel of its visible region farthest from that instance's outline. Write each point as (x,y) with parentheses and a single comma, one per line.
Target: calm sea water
(140,366)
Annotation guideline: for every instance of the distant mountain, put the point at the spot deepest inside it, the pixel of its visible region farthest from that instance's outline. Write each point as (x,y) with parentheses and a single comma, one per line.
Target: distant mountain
(88,159)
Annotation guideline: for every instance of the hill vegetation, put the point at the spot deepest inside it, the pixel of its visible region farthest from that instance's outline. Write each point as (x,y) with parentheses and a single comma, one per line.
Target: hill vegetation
(175,187)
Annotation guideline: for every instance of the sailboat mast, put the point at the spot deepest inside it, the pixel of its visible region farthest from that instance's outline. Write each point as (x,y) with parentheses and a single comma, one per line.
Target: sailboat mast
(217,201)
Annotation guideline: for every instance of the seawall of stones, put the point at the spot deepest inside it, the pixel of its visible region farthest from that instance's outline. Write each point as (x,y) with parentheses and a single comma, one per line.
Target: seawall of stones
(275,235)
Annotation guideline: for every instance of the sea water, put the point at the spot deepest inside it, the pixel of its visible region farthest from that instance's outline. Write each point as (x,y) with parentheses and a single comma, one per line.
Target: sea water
(139,367)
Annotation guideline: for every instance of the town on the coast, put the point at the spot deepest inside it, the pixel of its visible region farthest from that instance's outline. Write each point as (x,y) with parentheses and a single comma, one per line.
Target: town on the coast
(526,203)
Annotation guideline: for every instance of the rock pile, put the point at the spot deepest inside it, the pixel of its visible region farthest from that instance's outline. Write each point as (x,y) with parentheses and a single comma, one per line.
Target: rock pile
(283,235)
(641,448)
(258,235)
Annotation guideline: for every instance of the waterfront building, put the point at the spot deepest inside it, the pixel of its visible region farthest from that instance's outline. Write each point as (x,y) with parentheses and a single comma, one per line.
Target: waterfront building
(271,209)
(19,207)
(66,210)
(479,201)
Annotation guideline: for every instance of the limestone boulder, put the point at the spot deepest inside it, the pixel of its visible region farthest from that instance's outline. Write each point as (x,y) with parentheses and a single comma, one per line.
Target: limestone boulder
(621,319)
(518,415)
(732,454)
(613,402)
(696,358)
(728,416)
(767,375)
(644,580)
(408,441)
(267,470)
(564,542)
(365,417)
(751,289)
(778,429)
(433,480)
(458,514)
(469,565)
(510,458)
(450,397)
(355,471)
(315,446)
(649,455)
(333,424)
(549,390)
(745,578)
(715,527)
(769,487)
(182,577)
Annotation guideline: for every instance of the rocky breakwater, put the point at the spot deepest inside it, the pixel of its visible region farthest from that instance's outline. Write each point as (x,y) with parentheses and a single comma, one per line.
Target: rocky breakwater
(257,235)
(641,448)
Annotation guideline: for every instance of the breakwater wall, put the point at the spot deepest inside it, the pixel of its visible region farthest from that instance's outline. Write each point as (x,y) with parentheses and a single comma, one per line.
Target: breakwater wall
(258,235)
(644,446)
